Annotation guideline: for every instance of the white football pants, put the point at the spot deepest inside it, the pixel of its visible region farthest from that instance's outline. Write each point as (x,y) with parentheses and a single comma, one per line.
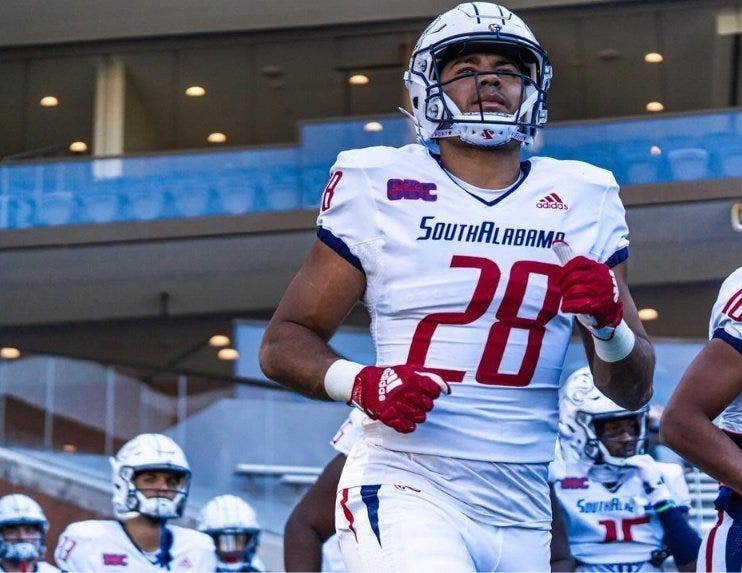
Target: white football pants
(398,528)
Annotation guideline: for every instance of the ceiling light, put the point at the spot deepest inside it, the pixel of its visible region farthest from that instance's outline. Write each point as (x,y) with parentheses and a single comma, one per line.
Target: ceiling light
(49,101)
(653,58)
(373,126)
(228,354)
(655,106)
(219,340)
(648,314)
(216,137)
(9,353)
(195,91)
(78,147)
(358,80)
(655,150)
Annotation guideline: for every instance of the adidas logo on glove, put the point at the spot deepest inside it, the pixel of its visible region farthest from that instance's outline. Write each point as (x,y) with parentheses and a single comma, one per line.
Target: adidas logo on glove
(388,382)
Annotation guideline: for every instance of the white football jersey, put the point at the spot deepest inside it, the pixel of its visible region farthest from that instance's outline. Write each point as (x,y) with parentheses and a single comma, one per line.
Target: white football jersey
(607,527)
(726,324)
(103,545)
(462,280)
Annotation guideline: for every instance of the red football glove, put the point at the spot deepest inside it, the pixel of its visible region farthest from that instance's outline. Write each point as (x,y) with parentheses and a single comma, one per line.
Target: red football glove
(589,290)
(398,396)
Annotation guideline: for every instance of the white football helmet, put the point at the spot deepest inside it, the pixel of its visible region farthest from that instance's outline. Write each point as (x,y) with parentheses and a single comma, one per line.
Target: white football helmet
(149,452)
(581,409)
(18,509)
(474,27)
(233,525)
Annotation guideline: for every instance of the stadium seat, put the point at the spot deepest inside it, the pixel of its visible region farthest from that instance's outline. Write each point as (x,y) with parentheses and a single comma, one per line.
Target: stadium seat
(688,163)
(19,212)
(281,191)
(146,205)
(726,153)
(236,198)
(102,207)
(57,208)
(639,164)
(313,181)
(191,200)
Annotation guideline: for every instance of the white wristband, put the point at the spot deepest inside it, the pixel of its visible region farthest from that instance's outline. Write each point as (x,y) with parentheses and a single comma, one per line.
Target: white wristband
(619,346)
(340,377)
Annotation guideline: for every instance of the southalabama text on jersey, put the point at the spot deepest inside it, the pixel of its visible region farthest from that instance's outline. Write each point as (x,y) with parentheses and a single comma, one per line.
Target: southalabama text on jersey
(604,506)
(486,232)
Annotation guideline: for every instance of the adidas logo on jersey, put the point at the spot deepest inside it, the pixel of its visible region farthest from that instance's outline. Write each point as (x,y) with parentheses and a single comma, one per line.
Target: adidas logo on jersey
(388,382)
(552,201)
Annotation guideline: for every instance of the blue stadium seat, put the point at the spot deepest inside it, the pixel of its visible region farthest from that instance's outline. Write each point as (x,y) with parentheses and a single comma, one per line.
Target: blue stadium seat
(235,197)
(281,189)
(638,161)
(56,208)
(688,163)
(190,200)
(146,204)
(101,207)
(726,153)
(17,212)
(313,181)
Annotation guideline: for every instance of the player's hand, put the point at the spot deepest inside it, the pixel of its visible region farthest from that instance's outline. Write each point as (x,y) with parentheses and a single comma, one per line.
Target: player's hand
(398,396)
(651,475)
(590,291)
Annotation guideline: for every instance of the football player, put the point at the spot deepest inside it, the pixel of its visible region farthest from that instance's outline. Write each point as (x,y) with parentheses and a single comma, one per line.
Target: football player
(233,525)
(621,509)
(712,387)
(23,529)
(151,480)
(448,243)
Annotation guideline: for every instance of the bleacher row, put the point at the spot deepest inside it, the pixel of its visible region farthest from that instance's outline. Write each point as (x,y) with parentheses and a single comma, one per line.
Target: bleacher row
(676,158)
(163,196)
(234,182)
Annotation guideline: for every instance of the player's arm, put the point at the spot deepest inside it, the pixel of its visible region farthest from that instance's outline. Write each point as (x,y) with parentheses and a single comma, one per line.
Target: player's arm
(295,353)
(711,382)
(294,350)
(312,521)
(681,540)
(620,355)
(628,380)
(561,557)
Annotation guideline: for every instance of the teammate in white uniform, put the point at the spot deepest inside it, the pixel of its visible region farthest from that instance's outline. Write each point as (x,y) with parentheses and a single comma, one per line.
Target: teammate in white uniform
(233,525)
(622,510)
(712,385)
(448,243)
(23,529)
(309,540)
(151,480)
